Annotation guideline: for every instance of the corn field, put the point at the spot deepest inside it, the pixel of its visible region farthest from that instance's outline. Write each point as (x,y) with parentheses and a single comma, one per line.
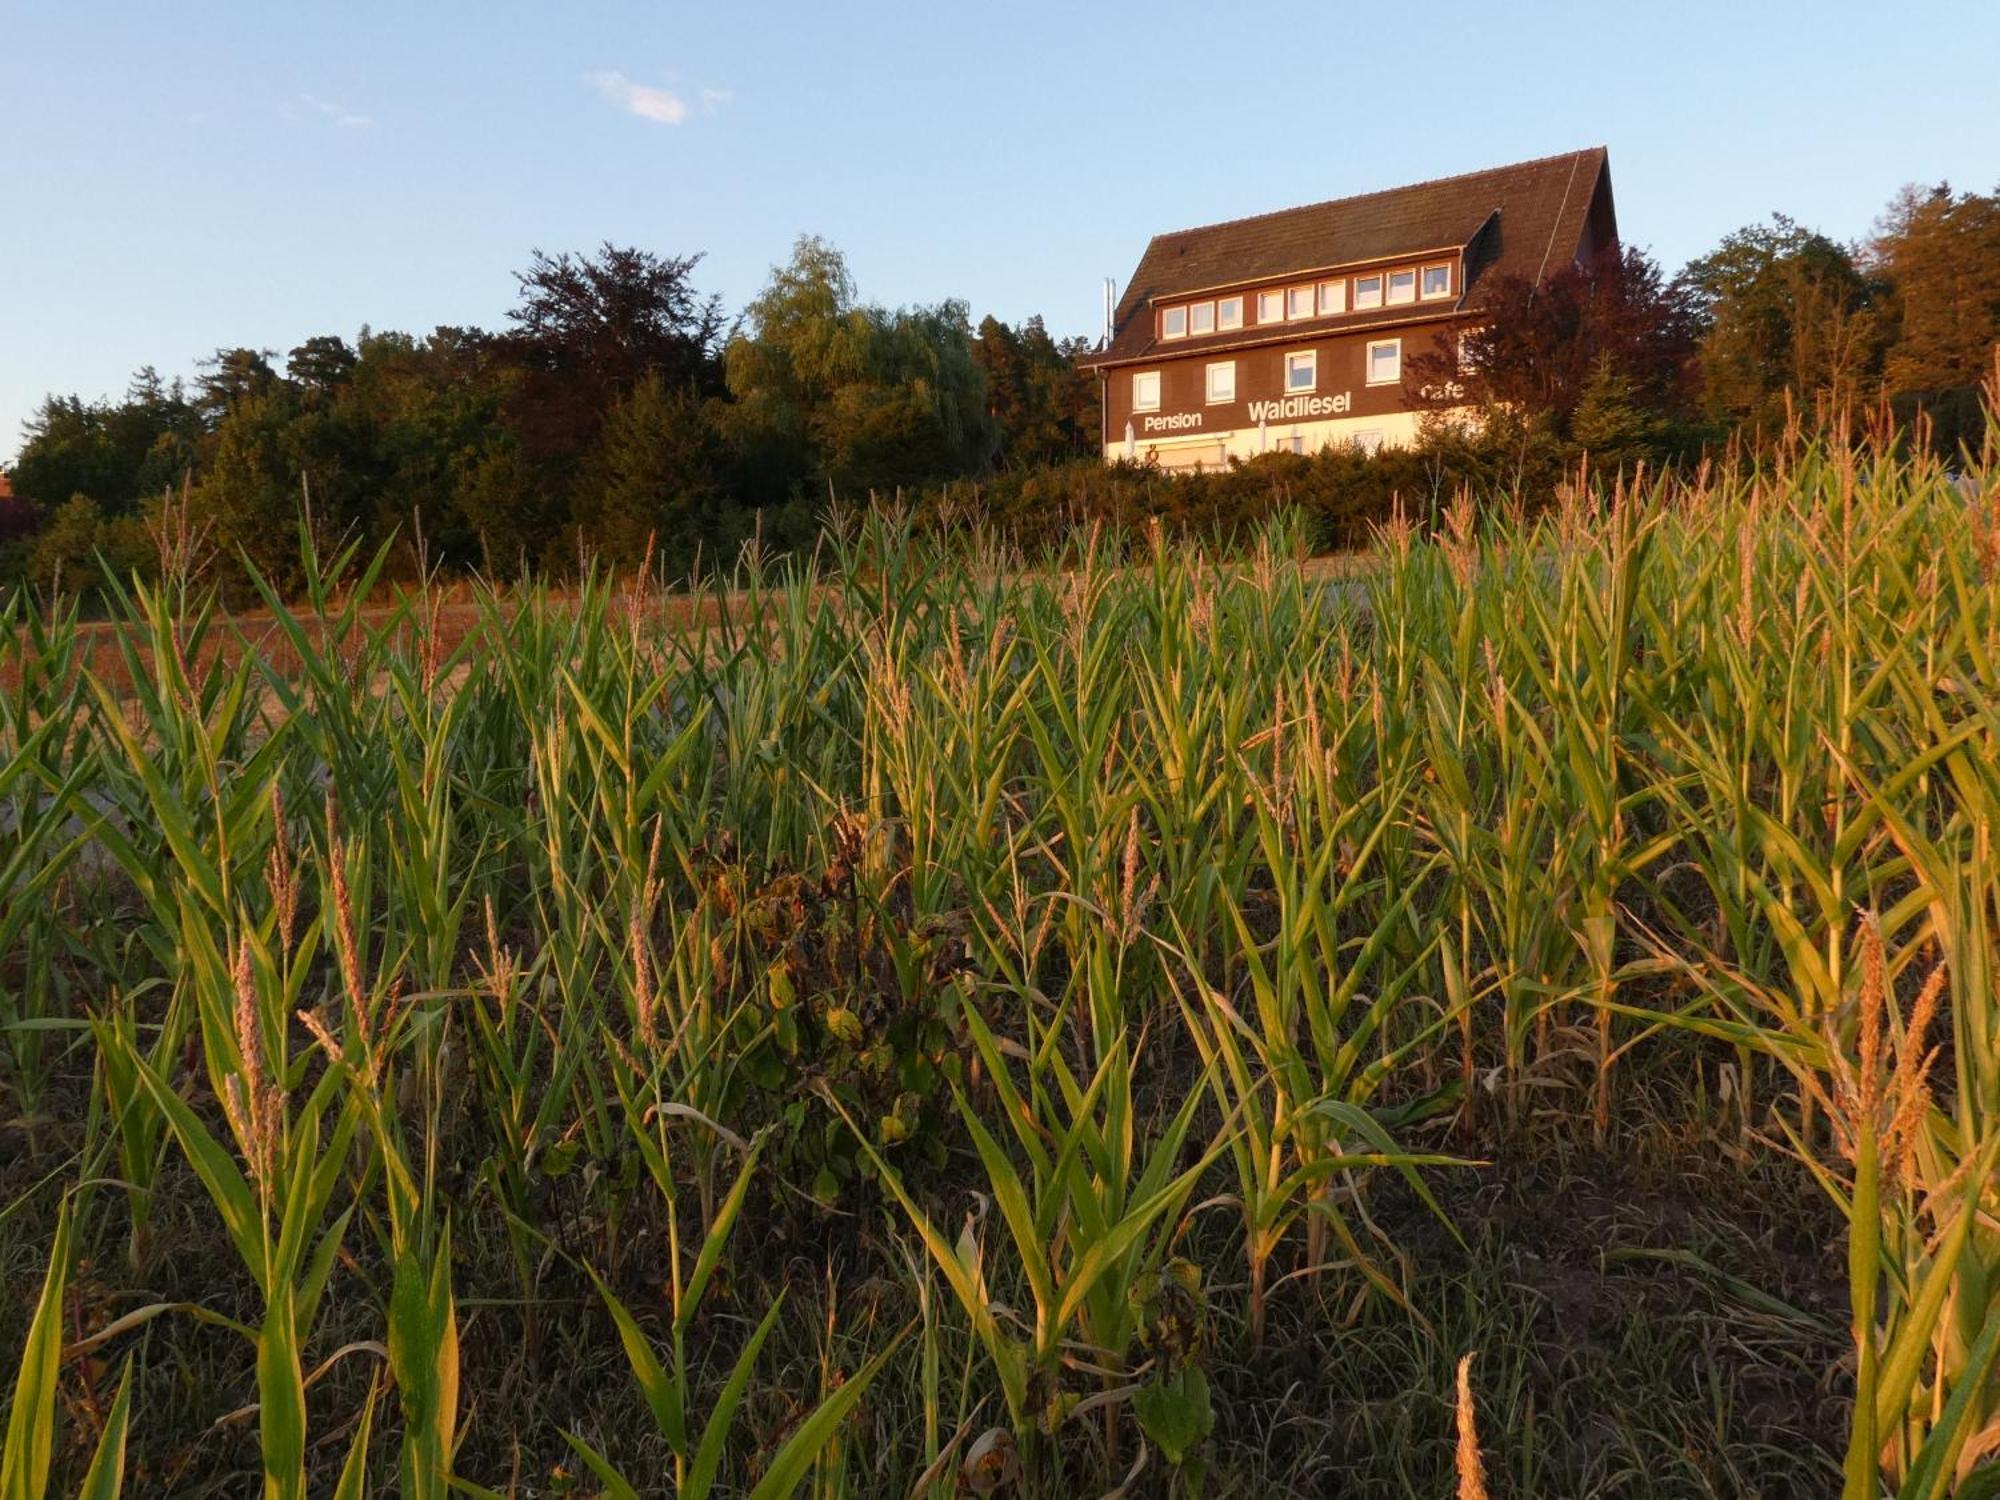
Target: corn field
(936,1022)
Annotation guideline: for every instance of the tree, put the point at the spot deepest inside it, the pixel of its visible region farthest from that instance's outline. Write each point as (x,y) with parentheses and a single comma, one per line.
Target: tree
(1938,254)
(850,395)
(230,376)
(587,330)
(1535,349)
(918,414)
(249,495)
(1784,310)
(611,320)
(1044,407)
(437,454)
(78,542)
(322,364)
(655,480)
(117,454)
(804,336)
(1614,425)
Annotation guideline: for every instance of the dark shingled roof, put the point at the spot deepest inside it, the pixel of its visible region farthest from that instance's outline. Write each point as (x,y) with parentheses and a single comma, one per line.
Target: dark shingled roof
(1528,219)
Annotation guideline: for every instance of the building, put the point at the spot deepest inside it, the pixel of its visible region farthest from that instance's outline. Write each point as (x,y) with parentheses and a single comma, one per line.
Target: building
(1293,330)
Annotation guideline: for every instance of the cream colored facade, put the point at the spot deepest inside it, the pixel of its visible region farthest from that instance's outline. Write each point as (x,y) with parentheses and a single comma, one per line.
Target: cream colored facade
(1392,429)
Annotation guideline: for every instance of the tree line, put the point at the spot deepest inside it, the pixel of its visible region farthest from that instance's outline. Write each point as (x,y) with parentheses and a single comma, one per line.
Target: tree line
(618,413)
(1777,323)
(621,414)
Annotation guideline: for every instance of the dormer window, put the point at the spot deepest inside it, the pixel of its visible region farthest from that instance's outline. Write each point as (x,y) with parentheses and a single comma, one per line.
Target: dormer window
(1367,292)
(1201,317)
(1402,287)
(1270,307)
(1298,302)
(1229,313)
(1173,323)
(1437,282)
(1332,297)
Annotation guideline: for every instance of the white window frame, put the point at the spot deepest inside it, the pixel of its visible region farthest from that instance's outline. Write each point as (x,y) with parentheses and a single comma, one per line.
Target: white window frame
(1166,321)
(1229,312)
(1195,310)
(1394,295)
(1139,403)
(1307,359)
(1429,296)
(1364,300)
(1332,297)
(1294,295)
(1368,362)
(1263,301)
(1368,441)
(1208,383)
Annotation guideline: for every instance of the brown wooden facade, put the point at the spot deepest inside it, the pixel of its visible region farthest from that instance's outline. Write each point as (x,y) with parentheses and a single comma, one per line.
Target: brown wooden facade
(1298,371)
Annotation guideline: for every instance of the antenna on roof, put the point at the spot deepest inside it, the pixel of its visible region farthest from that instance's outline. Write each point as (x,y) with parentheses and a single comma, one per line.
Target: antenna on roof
(1110,296)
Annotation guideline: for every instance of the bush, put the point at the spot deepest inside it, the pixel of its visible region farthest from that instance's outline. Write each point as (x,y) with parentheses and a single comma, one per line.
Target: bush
(78,542)
(1342,492)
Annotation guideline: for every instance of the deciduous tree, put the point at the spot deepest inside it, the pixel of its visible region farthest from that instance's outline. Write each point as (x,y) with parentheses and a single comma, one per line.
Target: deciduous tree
(1535,349)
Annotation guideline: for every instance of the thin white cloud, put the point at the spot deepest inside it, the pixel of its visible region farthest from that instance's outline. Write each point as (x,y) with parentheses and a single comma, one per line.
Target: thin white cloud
(346,119)
(661,106)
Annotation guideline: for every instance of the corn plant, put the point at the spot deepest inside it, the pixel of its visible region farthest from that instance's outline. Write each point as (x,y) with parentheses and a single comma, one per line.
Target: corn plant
(669,1387)
(31,1421)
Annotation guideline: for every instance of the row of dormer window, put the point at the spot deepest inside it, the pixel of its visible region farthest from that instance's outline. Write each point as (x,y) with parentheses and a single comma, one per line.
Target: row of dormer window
(1312,299)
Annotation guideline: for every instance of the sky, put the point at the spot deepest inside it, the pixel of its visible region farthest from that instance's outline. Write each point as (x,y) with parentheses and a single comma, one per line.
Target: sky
(174,178)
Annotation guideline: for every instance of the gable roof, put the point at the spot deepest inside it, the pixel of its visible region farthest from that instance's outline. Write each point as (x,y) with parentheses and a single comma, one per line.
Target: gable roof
(1528,219)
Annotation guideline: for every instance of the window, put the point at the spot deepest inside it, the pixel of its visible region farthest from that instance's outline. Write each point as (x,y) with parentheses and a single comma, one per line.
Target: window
(1299,302)
(1173,323)
(1270,307)
(1201,317)
(1367,291)
(1332,297)
(1229,313)
(1368,440)
(1222,382)
(1402,287)
(1302,370)
(1385,362)
(1465,356)
(1146,391)
(1437,282)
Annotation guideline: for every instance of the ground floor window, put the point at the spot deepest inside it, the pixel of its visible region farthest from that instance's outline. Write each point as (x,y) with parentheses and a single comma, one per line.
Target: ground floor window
(1146,391)
(1199,456)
